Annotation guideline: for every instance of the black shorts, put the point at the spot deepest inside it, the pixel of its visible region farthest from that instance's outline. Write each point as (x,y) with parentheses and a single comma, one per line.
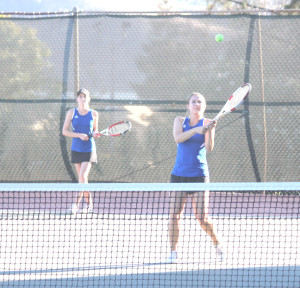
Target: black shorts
(79,157)
(181,179)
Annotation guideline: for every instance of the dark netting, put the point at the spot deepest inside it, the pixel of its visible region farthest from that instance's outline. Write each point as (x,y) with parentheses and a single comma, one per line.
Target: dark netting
(124,241)
(141,69)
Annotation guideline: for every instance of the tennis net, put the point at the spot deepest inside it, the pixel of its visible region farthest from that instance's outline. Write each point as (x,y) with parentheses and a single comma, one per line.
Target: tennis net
(124,239)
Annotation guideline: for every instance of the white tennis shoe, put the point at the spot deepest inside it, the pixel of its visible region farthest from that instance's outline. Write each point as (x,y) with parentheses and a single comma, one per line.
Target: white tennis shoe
(73,209)
(173,258)
(220,253)
(87,208)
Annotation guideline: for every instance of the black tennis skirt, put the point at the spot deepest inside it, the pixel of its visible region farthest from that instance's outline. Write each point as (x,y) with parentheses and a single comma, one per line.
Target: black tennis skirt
(181,179)
(79,157)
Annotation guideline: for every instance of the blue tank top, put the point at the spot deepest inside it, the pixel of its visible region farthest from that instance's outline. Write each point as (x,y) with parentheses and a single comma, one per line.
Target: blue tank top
(191,155)
(83,124)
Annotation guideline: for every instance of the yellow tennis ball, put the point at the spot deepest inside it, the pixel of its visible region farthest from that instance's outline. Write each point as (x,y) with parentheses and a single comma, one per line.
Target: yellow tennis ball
(219,37)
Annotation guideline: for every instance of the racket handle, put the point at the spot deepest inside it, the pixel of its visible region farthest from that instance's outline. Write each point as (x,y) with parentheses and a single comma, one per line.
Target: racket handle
(92,135)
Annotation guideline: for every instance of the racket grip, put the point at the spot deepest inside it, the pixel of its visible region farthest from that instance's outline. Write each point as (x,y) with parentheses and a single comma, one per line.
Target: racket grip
(92,135)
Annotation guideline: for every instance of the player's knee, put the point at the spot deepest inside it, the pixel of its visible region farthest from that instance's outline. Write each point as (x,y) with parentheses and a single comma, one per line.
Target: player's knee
(204,221)
(83,178)
(175,216)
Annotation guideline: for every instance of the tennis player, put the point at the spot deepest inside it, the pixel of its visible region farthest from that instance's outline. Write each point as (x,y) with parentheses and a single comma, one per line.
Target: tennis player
(84,122)
(194,136)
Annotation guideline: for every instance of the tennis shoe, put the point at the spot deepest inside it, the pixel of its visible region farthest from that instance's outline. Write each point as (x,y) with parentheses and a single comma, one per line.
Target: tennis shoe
(87,209)
(220,253)
(73,209)
(173,258)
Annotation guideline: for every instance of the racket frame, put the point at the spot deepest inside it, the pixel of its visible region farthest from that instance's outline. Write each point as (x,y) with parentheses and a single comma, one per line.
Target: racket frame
(225,111)
(106,132)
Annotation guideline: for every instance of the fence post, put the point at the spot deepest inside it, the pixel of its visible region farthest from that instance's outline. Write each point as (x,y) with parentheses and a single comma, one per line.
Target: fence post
(76,51)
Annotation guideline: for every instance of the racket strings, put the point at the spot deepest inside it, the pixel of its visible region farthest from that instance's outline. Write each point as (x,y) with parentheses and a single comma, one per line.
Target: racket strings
(119,129)
(238,97)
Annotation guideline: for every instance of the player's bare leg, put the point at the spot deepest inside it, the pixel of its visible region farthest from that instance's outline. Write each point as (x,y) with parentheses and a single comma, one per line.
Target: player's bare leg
(83,178)
(200,202)
(83,170)
(177,202)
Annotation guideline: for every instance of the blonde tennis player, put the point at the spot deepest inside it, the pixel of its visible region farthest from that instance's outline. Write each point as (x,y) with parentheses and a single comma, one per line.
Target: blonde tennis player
(194,136)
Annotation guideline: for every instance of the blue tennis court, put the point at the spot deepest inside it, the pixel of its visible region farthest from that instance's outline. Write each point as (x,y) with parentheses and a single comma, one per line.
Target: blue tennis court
(125,241)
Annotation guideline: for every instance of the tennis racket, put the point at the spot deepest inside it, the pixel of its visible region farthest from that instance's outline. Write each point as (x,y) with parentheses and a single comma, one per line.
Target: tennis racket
(236,99)
(116,129)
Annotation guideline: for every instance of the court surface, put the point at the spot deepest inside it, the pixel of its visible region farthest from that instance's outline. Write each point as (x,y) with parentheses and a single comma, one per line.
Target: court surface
(60,250)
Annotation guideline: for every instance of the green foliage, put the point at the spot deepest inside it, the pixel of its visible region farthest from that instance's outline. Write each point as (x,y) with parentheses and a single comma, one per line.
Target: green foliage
(294,4)
(23,60)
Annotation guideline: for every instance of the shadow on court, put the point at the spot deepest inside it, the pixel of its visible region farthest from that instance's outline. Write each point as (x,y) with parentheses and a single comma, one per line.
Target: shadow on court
(277,276)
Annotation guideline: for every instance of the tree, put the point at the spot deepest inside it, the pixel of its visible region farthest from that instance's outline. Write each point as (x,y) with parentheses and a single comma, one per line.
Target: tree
(294,4)
(24,61)
(231,5)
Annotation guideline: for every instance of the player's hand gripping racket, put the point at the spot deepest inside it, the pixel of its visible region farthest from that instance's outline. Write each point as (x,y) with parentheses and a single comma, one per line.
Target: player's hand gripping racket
(236,99)
(116,129)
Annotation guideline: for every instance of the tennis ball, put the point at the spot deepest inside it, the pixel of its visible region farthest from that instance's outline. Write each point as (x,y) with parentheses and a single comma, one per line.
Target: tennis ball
(219,37)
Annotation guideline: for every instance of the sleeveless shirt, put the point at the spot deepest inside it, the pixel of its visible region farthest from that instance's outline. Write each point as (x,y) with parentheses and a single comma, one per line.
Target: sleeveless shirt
(83,124)
(191,154)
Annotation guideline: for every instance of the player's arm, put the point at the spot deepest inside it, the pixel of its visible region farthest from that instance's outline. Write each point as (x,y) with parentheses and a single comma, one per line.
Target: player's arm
(66,128)
(210,134)
(95,128)
(179,135)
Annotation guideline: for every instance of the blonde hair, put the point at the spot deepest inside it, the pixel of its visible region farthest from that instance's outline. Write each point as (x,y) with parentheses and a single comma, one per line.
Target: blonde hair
(199,95)
(195,94)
